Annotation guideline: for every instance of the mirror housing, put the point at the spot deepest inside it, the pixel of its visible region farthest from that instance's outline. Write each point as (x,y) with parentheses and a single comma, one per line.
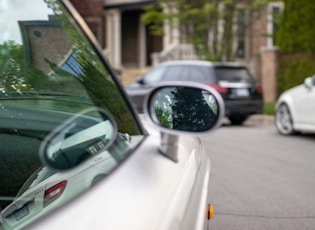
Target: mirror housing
(78,139)
(308,83)
(183,108)
(186,107)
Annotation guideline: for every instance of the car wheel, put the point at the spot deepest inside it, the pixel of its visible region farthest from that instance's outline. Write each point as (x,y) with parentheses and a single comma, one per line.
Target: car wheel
(237,119)
(284,123)
(97,179)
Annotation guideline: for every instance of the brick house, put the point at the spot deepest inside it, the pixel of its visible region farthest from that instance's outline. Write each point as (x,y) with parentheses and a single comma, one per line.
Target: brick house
(127,42)
(93,13)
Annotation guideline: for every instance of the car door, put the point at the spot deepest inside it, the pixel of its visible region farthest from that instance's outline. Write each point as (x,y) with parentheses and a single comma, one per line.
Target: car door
(304,102)
(149,191)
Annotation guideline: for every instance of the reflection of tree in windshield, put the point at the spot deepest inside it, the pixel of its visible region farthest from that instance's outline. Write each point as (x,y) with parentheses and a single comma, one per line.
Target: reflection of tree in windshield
(11,63)
(48,87)
(23,71)
(96,79)
(190,110)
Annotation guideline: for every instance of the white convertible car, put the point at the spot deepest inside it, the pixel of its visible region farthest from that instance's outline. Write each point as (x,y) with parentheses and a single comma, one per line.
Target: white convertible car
(74,153)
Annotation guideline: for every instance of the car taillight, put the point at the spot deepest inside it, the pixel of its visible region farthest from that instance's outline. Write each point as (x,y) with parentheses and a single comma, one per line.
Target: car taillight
(258,90)
(220,89)
(54,192)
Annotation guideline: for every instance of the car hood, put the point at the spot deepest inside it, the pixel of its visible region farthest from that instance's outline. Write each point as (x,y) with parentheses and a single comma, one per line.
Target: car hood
(293,91)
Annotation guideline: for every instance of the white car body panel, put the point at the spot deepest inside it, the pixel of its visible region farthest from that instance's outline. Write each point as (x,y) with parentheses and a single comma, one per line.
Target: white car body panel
(139,194)
(301,102)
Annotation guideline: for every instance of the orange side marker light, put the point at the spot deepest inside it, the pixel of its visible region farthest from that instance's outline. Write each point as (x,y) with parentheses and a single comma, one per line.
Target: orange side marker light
(210,211)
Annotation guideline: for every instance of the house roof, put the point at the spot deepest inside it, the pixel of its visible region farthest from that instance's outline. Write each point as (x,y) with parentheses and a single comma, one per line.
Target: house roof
(128,4)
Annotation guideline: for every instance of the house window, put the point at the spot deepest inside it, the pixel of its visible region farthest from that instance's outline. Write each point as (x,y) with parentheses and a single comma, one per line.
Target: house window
(274,12)
(241,32)
(72,66)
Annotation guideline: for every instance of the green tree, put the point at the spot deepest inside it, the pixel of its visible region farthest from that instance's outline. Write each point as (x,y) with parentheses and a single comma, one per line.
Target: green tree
(190,110)
(295,37)
(11,64)
(207,24)
(184,108)
(95,78)
(296,31)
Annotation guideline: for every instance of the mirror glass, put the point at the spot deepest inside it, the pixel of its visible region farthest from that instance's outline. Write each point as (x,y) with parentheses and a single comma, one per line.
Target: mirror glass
(184,108)
(78,139)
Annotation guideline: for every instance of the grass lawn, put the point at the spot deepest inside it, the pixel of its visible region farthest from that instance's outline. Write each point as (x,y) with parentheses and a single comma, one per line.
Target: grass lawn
(269,108)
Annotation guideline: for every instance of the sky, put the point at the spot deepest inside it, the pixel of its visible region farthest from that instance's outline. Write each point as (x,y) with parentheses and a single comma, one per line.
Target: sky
(12,11)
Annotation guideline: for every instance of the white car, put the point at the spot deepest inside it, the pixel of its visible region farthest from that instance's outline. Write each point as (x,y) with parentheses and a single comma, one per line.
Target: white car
(74,153)
(295,109)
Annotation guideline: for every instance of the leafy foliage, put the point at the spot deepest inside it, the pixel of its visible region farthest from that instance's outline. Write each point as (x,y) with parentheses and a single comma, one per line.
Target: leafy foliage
(295,36)
(191,111)
(11,65)
(207,24)
(94,76)
(297,28)
(293,69)
(184,108)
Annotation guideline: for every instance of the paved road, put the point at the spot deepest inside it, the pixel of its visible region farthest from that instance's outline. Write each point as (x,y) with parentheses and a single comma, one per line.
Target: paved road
(260,179)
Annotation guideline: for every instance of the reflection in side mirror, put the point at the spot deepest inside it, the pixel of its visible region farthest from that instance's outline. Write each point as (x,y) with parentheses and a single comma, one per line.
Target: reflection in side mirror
(78,139)
(190,108)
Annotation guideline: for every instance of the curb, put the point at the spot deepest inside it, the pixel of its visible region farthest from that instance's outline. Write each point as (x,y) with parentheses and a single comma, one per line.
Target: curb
(261,119)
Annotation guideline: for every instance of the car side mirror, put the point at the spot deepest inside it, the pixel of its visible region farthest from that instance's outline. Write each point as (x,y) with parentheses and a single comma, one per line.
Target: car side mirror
(183,108)
(78,139)
(191,108)
(308,83)
(140,81)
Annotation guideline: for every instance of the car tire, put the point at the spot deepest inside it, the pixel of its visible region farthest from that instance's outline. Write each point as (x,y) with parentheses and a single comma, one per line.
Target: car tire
(237,119)
(283,120)
(97,178)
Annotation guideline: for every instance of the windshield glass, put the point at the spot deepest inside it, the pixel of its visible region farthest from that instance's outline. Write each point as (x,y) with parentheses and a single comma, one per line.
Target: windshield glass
(233,74)
(49,73)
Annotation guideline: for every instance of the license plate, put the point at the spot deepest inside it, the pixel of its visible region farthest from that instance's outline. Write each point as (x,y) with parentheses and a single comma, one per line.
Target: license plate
(22,212)
(242,92)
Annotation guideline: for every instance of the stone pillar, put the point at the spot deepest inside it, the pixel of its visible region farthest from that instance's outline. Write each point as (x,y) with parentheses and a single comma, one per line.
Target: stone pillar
(142,44)
(269,71)
(113,46)
(170,28)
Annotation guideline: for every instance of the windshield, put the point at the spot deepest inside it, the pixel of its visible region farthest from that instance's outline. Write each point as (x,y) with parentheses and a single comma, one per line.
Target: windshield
(181,72)
(50,73)
(233,74)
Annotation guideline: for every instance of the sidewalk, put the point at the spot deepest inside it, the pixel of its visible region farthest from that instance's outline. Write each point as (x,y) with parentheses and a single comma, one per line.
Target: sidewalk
(259,119)
(262,119)
(130,75)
